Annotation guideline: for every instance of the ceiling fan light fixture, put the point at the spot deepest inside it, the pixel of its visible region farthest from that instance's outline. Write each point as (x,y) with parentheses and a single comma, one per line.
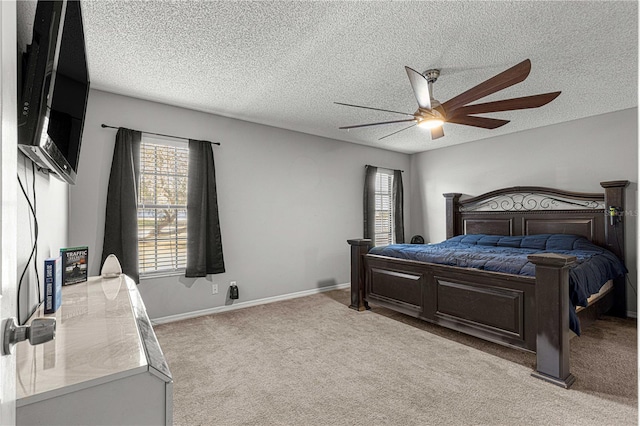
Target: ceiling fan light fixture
(430,123)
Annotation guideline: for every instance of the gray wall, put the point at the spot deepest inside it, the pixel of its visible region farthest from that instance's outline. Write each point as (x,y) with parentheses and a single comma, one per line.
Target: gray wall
(288,201)
(575,155)
(52,211)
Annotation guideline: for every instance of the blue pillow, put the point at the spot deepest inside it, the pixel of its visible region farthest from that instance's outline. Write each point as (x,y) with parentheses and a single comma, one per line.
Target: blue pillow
(536,242)
(562,242)
(510,242)
(489,240)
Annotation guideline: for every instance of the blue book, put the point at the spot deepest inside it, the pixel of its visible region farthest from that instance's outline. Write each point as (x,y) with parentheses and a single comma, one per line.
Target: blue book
(52,284)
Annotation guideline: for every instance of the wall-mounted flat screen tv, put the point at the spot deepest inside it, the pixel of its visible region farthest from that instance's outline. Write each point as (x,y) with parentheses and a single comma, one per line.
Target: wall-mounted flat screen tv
(55,88)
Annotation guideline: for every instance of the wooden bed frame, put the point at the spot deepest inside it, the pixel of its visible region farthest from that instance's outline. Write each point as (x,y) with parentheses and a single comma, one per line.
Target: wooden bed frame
(528,313)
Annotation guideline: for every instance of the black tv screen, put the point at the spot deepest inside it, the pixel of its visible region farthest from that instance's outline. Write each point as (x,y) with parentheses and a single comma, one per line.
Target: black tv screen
(55,88)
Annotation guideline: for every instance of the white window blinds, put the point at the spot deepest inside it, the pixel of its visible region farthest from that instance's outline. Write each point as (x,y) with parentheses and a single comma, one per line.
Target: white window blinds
(162,207)
(384,208)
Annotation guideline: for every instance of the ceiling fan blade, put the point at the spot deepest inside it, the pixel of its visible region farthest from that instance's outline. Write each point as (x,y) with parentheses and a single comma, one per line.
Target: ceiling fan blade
(375,109)
(525,102)
(401,130)
(483,122)
(420,87)
(437,132)
(376,124)
(505,79)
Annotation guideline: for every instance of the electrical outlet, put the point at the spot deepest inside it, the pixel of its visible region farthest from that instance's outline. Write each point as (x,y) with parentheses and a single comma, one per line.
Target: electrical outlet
(214,288)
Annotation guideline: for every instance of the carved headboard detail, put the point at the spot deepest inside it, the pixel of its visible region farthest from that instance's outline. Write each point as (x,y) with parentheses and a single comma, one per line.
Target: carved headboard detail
(530,210)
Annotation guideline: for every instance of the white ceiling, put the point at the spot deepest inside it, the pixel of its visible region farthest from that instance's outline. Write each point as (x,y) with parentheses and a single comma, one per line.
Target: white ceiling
(284,64)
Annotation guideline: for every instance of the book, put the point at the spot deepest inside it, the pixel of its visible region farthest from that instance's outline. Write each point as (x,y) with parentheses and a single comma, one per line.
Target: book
(52,284)
(74,261)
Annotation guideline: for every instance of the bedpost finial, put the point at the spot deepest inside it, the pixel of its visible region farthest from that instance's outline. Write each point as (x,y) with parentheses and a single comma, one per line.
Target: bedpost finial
(615,184)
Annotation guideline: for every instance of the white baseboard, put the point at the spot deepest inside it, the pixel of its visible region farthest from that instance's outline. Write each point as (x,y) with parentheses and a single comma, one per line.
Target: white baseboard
(241,305)
(632,314)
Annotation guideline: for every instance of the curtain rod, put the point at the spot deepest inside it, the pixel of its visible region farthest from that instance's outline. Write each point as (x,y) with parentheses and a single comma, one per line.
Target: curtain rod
(369,165)
(104,126)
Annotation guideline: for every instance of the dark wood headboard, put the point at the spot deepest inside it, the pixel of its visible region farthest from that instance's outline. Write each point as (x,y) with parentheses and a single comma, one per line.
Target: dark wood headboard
(530,210)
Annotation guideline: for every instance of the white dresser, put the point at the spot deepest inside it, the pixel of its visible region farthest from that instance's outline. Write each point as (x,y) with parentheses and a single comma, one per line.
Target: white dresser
(105,366)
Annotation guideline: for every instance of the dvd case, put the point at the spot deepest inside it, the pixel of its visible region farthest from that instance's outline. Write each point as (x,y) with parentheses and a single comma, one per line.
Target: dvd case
(75,262)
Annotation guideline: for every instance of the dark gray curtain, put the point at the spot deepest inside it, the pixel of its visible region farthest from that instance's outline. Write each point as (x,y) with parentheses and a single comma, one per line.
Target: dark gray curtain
(121,221)
(204,241)
(398,207)
(370,202)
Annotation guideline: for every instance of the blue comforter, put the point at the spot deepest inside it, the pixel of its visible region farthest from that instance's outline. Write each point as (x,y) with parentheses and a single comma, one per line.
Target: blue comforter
(593,268)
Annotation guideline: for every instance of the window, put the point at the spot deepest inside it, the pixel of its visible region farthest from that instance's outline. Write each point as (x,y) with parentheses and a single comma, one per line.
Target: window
(162,206)
(384,208)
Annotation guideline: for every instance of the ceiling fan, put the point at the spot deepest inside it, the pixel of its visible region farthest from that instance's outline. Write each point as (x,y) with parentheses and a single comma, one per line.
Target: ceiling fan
(432,114)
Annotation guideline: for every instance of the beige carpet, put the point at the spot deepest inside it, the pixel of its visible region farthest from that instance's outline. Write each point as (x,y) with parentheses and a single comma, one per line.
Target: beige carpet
(313,361)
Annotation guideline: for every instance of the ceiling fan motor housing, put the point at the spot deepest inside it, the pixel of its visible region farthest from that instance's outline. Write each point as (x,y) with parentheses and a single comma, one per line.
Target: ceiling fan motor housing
(433,113)
(431,75)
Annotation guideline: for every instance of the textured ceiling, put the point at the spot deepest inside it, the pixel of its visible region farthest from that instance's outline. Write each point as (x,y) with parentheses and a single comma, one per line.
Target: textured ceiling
(285,63)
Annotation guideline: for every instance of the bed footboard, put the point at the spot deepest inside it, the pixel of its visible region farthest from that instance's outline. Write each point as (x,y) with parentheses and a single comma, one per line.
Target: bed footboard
(538,316)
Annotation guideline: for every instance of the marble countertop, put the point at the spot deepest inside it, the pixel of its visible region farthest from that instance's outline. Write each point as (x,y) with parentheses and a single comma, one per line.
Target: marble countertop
(97,340)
